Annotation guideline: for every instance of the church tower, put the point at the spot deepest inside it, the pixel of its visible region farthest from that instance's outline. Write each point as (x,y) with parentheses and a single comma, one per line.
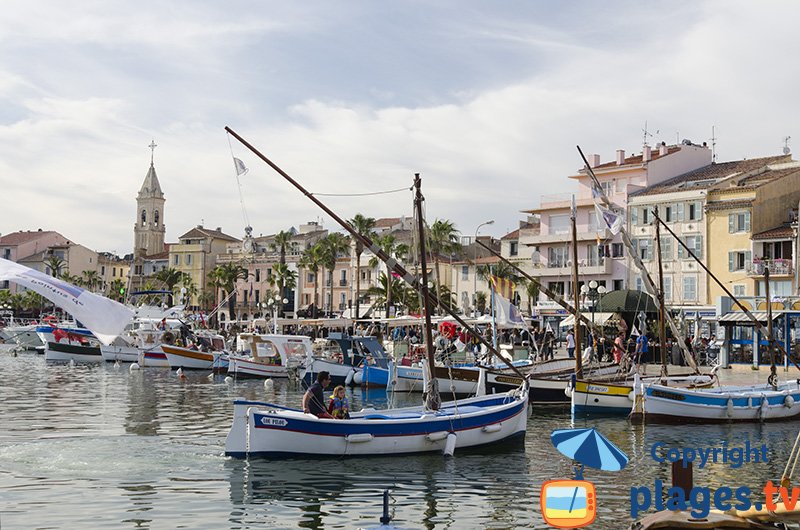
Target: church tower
(149,228)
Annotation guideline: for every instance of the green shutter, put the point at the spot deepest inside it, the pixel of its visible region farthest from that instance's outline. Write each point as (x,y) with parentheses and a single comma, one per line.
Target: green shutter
(730,261)
(731,223)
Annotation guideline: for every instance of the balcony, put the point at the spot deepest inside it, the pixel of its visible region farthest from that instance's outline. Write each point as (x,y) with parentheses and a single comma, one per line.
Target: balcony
(776,267)
(342,283)
(585,268)
(566,237)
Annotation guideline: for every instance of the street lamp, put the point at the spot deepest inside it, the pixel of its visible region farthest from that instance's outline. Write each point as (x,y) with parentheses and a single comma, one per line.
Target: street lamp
(183,295)
(593,292)
(475,271)
(273,304)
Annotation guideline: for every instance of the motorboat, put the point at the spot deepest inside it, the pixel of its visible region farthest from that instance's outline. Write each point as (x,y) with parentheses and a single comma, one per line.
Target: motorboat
(269,355)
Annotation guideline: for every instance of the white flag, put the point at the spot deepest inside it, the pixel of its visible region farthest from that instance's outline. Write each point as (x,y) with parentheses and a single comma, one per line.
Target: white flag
(103,317)
(506,313)
(241,169)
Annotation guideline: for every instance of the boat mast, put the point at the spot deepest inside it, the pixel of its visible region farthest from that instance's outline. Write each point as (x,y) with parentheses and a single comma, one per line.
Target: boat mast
(432,399)
(773,376)
(758,325)
(576,292)
(391,264)
(647,280)
(662,325)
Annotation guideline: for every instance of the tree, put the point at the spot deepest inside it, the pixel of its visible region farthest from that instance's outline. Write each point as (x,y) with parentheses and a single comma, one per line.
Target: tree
(443,239)
(55,264)
(206,299)
(33,301)
(116,290)
(480,302)
(285,279)
(91,279)
(312,260)
(281,242)
(333,245)
(225,277)
(532,290)
(383,292)
(389,245)
(363,226)
(171,278)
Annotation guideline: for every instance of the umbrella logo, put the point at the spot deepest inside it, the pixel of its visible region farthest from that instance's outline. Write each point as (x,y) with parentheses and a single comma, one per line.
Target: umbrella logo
(573,503)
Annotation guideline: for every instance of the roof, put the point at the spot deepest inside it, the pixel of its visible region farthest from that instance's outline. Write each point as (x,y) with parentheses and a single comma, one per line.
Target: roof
(511,235)
(637,159)
(199,232)
(711,173)
(156,257)
(729,205)
(18,238)
(779,232)
(387,222)
(151,186)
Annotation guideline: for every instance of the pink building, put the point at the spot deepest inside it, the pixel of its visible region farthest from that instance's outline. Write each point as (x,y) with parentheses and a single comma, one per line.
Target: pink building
(601,255)
(18,246)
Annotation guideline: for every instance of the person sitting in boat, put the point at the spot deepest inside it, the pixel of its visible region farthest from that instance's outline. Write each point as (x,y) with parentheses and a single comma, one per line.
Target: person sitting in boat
(313,399)
(338,407)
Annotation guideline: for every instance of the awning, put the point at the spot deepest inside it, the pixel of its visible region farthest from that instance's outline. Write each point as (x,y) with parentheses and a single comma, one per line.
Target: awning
(600,319)
(741,316)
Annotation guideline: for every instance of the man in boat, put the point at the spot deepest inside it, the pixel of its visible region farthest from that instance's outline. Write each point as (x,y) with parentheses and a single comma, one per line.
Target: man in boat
(313,399)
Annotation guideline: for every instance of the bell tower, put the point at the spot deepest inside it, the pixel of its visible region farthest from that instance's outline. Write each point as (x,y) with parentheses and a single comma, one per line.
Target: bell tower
(149,229)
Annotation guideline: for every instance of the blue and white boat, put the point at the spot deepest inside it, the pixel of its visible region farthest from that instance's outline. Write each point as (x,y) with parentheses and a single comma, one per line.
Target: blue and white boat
(343,357)
(268,430)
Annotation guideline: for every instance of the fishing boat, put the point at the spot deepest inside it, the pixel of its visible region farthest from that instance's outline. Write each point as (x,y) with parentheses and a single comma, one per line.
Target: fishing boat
(268,430)
(25,336)
(207,352)
(269,355)
(72,351)
(343,356)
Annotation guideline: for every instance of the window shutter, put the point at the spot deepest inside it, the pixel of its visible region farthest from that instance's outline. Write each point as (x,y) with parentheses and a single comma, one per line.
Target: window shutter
(634,216)
(730,261)
(748,258)
(681,251)
(679,208)
(698,247)
(747,221)
(650,249)
(731,221)
(698,209)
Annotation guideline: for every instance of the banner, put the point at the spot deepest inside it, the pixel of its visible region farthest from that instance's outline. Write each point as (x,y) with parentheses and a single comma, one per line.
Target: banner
(503,286)
(103,317)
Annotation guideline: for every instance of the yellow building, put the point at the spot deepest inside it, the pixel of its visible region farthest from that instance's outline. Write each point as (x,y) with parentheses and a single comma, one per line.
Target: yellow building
(739,207)
(196,255)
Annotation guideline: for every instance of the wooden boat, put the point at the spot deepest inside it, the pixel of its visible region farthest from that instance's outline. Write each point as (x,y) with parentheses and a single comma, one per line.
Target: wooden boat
(191,359)
(270,355)
(264,429)
(71,351)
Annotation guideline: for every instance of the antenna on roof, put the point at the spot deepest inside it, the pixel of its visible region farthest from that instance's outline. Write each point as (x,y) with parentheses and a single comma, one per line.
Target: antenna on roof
(713,145)
(645,134)
(786,149)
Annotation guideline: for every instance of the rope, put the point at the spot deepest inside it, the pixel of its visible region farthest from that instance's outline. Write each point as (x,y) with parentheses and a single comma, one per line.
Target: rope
(239,184)
(359,194)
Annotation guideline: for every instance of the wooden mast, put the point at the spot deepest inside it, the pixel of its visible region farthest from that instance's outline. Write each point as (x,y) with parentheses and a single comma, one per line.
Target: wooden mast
(773,376)
(432,399)
(662,325)
(576,293)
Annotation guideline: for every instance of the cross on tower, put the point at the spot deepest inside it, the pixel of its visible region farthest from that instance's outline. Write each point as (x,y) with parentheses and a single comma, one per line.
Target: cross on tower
(152,147)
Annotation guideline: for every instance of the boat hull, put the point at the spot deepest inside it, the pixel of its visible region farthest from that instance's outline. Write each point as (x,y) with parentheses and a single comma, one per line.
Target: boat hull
(124,354)
(153,358)
(262,429)
(664,404)
(340,373)
(247,367)
(372,377)
(187,359)
(61,352)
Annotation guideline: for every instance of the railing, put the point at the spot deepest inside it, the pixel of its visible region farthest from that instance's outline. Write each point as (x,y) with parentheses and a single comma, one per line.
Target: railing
(781,267)
(342,283)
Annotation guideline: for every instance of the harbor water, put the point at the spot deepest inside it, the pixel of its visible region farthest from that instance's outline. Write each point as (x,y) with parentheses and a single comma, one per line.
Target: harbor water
(98,446)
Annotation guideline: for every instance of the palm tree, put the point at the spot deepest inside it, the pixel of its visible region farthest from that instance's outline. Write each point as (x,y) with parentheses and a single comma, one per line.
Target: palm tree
(32,300)
(116,290)
(225,276)
(333,245)
(206,299)
(532,290)
(170,278)
(443,239)
(280,243)
(363,226)
(383,293)
(285,279)
(312,260)
(389,245)
(191,289)
(91,279)
(480,302)
(55,264)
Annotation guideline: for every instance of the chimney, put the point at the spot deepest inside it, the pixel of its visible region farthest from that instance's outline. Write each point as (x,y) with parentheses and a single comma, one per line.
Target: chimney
(620,156)
(219,229)
(594,161)
(662,149)
(647,155)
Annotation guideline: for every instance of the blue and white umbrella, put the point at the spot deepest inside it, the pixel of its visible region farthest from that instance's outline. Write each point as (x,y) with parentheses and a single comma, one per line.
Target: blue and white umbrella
(589,448)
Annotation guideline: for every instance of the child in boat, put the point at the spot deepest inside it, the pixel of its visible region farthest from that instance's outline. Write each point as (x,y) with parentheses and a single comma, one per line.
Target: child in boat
(338,407)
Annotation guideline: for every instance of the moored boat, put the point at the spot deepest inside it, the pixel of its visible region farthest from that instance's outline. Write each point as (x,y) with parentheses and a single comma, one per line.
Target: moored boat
(65,352)
(270,355)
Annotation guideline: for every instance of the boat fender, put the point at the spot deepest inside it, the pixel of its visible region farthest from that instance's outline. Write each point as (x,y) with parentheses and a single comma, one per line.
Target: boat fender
(437,436)
(269,385)
(750,402)
(788,401)
(495,427)
(359,438)
(762,412)
(729,407)
(450,444)
(134,367)
(568,390)
(632,395)
(349,379)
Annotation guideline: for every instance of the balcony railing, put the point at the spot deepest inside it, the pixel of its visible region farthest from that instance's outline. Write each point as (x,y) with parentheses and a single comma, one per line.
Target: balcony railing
(776,267)
(342,283)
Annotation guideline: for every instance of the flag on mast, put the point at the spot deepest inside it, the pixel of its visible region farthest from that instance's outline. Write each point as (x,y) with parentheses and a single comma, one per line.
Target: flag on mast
(241,169)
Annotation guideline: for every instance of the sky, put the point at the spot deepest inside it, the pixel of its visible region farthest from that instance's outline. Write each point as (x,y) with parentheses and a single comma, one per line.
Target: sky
(486,100)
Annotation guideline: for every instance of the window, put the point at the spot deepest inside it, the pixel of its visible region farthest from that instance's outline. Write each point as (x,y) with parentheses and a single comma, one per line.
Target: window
(155,218)
(144,218)
(6,253)
(669,214)
(258,296)
(739,260)
(102,270)
(557,256)
(114,272)
(621,183)
(269,273)
(617,250)
(667,288)
(619,285)
(695,243)
(639,283)
(645,216)
(559,224)
(258,275)
(634,212)
(738,222)
(176,259)
(245,296)
(739,290)
(689,288)
(695,211)
(310,277)
(514,250)
(188,259)
(645,248)
(593,258)
(464,272)
(608,188)
(556,287)
(779,288)
(593,221)
(342,301)
(666,248)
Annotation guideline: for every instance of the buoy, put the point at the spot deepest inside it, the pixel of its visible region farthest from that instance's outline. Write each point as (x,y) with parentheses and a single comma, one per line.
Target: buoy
(116,364)
(349,379)
(729,407)
(269,385)
(228,379)
(788,401)
(179,373)
(71,363)
(762,411)
(450,444)
(134,366)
